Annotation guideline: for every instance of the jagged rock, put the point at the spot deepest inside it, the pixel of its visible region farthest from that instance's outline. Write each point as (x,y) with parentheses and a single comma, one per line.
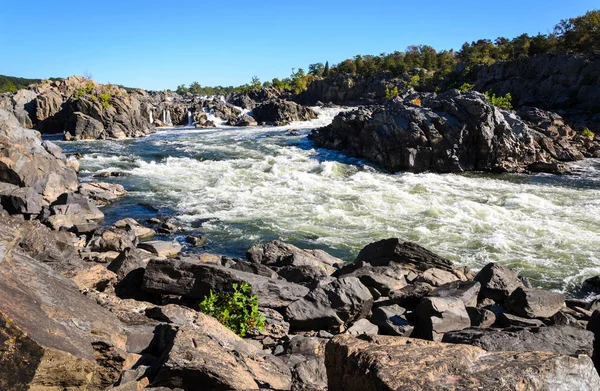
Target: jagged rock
(438,315)
(362,326)
(196,280)
(559,339)
(25,162)
(380,280)
(140,231)
(292,263)
(74,211)
(102,192)
(410,295)
(497,282)
(130,266)
(535,303)
(97,277)
(437,277)
(381,363)
(243,120)
(84,127)
(20,200)
(112,239)
(481,317)
(331,306)
(391,320)
(506,320)
(53,337)
(281,112)
(467,291)
(161,248)
(450,132)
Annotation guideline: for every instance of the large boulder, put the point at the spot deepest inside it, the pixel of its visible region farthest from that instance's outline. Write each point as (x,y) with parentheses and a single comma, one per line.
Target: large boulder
(332,306)
(195,280)
(497,281)
(535,303)
(381,363)
(560,339)
(24,107)
(281,112)
(25,162)
(438,315)
(450,132)
(52,336)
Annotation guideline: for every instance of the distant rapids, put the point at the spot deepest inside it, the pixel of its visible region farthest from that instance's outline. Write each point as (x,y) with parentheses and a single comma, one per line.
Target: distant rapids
(240,186)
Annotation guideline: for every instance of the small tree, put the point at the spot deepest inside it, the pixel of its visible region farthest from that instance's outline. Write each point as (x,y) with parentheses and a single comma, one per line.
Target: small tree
(255,82)
(326,69)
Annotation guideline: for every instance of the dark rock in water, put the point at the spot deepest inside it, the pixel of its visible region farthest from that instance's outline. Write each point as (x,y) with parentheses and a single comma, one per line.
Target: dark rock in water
(195,240)
(559,339)
(195,281)
(450,132)
(150,207)
(281,112)
(594,326)
(497,282)
(535,303)
(391,320)
(84,127)
(53,337)
(438,315)
(549,167)
(243,120)
(331,306)
(382,363)
(467,291)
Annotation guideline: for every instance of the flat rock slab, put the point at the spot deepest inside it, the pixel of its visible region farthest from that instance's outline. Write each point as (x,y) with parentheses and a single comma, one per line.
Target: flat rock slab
(382,363)
(161,248)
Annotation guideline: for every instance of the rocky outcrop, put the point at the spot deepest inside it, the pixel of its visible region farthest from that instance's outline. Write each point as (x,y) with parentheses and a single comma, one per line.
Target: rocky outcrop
(27,162)
(450,132)
(281,112)
(395,363)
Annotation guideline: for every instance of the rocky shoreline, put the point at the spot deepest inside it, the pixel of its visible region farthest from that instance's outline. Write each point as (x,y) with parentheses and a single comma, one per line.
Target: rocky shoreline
(91,307)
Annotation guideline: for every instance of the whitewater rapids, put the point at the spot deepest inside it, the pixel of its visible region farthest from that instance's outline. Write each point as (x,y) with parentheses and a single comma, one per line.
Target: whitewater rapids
(240,186)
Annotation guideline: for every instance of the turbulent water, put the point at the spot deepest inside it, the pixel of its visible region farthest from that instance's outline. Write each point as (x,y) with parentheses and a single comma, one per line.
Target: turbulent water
(240,186)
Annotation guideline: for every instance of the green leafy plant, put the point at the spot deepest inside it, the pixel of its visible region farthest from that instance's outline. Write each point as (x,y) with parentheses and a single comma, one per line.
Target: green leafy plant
(587,133)
(105,100)
(238,311)
(503,102)
(466,87)
(391,93)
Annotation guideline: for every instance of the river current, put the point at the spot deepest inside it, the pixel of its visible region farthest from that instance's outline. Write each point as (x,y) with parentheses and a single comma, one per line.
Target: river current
(241,186)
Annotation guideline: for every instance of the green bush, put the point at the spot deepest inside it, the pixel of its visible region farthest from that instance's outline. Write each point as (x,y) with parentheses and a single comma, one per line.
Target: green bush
(587,133)
(391,93)
(503,102)
(466,87)
(238,311)
(105,100)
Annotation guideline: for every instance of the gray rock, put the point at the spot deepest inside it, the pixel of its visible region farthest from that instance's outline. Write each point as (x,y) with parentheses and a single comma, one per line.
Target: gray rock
(438,315)
(497,282)
(481,317)
(380,280)
(391,320)
(112,239)
(411,295)
(505,319)
(331,306)
(535,303)
(280,112)
(20,200)
(467,291)
(161,248)
(362,326)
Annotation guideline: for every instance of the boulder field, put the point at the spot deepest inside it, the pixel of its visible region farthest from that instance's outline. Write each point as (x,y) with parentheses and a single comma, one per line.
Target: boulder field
(91,307)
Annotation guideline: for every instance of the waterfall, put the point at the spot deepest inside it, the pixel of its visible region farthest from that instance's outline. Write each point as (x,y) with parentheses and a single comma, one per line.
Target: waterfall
(151,118)
(167,118)
(190,119)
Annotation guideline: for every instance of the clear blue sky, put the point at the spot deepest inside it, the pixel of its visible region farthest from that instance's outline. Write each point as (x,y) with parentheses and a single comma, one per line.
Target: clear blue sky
(160,44)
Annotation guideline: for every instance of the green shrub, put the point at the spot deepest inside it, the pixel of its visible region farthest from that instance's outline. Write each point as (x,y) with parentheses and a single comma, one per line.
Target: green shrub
(238,311)
(466,87)
(391,93)
(587,133)
(105,100)
(503,102)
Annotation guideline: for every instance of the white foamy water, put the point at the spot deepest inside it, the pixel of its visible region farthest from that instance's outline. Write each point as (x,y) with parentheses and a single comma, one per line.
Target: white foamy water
(263,183)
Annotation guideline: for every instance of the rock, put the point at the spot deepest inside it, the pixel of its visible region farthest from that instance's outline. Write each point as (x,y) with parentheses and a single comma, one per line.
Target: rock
(497,282)
(139,230)
(437,277)
(331,306)
(97,277)
(410,296)
(380,280)
(243,120)
(196,280)
(74,211)
(467,291)
(362,326)
(292,263)
(481,317)
(161,248)
(102,192)
(391,320)
(309,374)
(594,326)
(561,339)
(380,363)
(84,127)
(448,132)
(195,241)
(112,239)
(20,200)
(506,320)
(281,112)
(24,162)
(53,337)
(130,266)
(438,315)
(535,303)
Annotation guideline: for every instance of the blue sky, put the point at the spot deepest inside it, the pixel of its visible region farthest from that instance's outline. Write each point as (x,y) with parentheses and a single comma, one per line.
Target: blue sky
(159,45)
